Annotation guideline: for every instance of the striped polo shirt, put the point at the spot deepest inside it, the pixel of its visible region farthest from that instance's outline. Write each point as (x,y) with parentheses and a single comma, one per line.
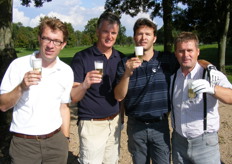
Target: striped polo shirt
(148,90)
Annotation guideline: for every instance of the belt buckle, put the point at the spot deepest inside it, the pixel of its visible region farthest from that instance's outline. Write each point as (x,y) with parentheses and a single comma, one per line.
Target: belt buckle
(146,122)
(37,138)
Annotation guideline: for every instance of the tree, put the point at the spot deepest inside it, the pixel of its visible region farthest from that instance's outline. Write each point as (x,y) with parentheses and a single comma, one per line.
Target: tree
(24,36)
(211,20)
(162,8)
(90,30)
(121,39)
(129,40)
(72,39)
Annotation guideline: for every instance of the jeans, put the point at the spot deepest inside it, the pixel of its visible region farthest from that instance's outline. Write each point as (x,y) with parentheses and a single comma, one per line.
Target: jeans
(149,141)
(203,149)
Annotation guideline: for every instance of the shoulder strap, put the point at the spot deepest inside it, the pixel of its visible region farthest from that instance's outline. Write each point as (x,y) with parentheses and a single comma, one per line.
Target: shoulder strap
(204,103)
(205,100)
(172,91)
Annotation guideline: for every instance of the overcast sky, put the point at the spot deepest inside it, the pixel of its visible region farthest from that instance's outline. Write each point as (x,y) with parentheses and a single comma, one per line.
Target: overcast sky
(76,12)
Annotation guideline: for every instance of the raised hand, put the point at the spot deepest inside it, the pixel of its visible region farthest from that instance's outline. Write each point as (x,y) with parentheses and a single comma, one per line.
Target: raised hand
(202,86)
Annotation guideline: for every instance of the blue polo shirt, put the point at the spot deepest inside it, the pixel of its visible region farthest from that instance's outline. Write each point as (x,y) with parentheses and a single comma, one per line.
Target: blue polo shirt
(148,90)
(99,101)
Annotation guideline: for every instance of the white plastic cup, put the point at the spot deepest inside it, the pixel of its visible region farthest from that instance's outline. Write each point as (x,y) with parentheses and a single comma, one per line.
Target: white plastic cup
(37,64)
(139,52)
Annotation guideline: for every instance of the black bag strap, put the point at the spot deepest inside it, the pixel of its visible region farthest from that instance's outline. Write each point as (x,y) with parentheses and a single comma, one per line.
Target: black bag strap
(172,91)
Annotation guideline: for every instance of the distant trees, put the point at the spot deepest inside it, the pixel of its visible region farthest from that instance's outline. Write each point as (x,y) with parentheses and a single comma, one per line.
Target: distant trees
(26,37)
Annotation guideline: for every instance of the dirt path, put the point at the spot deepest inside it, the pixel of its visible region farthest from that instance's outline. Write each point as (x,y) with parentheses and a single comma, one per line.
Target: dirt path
(225,137)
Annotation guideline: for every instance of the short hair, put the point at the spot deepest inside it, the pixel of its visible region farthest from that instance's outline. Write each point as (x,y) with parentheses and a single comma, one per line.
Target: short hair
(186,36)
(110,17)
(55,24)
(145,22)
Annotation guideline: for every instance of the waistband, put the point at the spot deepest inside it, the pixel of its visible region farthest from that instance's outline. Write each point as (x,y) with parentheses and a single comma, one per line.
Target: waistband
(45,136)
(100,119)
(164,116)
(203,135)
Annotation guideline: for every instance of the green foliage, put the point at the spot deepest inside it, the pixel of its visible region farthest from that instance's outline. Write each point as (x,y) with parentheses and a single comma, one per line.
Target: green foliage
(90,31)
(121,39)
(72,39)
(24,36)
(37,3)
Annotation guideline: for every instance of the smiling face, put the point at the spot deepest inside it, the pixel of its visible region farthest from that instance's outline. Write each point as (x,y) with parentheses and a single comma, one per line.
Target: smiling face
(107,34)
(187,54)
(144,36)
(48,50)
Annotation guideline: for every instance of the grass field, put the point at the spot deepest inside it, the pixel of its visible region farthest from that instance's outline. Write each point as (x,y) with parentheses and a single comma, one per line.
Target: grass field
(208,52)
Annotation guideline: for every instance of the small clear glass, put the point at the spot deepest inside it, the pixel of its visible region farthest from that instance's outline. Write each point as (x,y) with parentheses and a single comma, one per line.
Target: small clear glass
(98,64)
(192,95)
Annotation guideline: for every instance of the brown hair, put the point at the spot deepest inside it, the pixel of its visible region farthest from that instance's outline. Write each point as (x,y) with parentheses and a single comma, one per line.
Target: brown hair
(186,36)
(145,22)
(55,24)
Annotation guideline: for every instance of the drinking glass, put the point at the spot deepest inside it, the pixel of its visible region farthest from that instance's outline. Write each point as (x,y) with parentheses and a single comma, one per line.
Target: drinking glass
(98,64)
(37,64)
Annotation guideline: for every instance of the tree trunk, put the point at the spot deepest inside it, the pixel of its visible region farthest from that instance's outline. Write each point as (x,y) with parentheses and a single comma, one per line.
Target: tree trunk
(167,19)
(223,42)
(7,54)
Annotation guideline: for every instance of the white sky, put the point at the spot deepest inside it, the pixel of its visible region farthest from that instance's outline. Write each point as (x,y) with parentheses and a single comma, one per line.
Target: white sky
(76,12)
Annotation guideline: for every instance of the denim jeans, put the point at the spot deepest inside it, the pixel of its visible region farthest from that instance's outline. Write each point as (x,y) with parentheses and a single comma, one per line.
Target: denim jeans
(203,149)
(149,141)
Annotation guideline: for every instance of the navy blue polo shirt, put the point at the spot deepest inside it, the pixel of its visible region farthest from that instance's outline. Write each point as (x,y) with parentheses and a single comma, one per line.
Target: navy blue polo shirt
(148,90)
(99,101)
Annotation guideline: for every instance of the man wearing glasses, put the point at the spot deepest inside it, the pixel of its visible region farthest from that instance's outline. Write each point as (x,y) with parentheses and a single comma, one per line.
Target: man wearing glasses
(41,116)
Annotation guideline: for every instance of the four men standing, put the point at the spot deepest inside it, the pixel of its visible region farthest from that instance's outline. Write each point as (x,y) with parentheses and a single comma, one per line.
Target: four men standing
(41,115)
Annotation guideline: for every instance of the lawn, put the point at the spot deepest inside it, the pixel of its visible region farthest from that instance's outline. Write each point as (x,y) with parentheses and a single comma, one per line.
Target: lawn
(208,52)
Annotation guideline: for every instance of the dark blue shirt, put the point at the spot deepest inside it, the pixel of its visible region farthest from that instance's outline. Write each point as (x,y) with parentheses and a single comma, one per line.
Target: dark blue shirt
(99,101)
(148,91)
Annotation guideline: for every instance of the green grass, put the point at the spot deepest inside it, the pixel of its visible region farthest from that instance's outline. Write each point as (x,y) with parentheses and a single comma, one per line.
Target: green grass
(208,52)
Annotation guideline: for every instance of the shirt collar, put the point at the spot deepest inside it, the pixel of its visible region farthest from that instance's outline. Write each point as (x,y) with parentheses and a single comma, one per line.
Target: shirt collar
(192,73)
(98,53)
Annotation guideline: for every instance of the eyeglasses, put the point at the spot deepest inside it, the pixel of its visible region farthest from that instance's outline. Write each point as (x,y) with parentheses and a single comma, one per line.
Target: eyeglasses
(55,42)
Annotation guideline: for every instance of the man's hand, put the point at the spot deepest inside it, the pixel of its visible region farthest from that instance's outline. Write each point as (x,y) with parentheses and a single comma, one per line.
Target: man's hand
(202,86)
(30,78)
(131,65)
(92,77)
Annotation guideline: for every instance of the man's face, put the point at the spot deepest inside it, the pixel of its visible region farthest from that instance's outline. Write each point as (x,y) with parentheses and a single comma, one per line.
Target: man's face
(144,36)
(107,34)
(187,54)
(51,43)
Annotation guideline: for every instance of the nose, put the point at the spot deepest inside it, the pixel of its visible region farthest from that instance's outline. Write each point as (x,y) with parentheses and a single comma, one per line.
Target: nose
(109,35)
(50,44)
(143,36)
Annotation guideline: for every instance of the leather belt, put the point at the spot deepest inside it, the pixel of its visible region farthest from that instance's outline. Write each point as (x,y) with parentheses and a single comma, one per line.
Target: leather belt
(153,120)
(106,118)
(45,136)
